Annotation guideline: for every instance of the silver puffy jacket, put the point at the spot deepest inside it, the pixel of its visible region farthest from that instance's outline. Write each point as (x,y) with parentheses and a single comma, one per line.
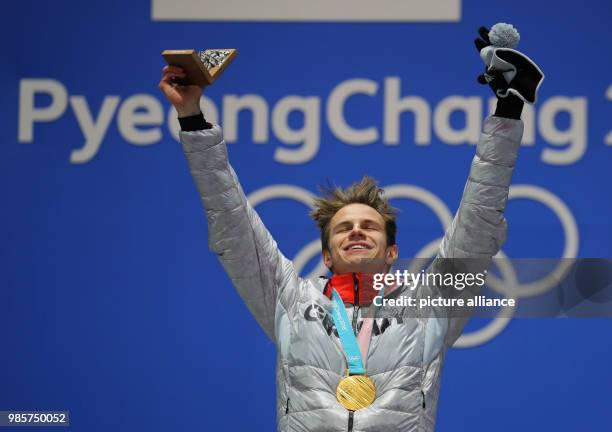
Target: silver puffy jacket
(406,355)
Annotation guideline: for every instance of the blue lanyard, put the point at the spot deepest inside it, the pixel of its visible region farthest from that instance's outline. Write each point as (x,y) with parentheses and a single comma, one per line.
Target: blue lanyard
(347,337)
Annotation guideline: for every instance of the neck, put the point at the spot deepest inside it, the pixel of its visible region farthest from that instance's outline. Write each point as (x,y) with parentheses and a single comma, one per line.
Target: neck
(361,270)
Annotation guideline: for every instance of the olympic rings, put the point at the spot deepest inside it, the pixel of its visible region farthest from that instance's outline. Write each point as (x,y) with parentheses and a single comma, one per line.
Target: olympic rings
(570,250)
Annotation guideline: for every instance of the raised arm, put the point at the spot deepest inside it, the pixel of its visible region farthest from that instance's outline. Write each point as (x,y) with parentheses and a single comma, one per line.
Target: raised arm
(479,227)
(247,251)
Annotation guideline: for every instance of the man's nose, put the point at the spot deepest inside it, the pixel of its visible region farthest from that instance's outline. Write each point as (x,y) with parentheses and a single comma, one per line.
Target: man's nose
(356,231)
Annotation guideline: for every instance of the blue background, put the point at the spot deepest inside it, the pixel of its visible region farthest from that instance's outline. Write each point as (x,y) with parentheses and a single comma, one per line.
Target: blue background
(111,305)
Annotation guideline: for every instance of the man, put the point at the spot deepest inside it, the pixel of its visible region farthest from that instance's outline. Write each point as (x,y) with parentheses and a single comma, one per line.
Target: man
(316,323)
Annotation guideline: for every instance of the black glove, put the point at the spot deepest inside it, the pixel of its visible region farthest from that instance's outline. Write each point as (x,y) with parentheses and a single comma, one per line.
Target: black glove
(513,77)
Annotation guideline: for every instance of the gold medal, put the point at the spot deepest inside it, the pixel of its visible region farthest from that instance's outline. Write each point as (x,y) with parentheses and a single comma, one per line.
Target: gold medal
(356,392)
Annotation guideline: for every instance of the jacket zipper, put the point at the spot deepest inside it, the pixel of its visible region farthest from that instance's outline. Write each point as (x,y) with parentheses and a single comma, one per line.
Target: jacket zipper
(356,288)
(287,408)
(423,396)
(355,301)
(355,313)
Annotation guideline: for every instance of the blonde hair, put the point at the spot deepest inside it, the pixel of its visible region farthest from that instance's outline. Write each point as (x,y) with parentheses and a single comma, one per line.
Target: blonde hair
(365,192)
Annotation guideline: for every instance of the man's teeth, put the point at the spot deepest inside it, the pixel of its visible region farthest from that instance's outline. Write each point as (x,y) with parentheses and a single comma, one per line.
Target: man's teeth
(357,247)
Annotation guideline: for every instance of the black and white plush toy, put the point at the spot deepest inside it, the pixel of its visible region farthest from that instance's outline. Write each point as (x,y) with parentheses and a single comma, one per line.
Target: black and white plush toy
(507,71)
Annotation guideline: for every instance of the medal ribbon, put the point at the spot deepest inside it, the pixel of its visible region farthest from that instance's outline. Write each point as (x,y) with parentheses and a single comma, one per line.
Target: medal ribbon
(347,337)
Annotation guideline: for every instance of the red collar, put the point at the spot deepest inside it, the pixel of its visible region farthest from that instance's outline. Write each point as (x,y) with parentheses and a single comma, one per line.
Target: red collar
(354,288)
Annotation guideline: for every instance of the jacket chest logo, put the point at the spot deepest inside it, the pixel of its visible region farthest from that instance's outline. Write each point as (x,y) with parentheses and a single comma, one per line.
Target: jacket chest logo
(316,313)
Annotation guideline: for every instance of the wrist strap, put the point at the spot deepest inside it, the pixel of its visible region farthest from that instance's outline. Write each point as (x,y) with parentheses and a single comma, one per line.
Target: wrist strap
(509,107)
(194,123)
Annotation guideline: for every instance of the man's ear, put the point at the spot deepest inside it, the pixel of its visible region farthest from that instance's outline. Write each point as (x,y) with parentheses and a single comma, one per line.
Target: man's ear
(327,260)
(392,254)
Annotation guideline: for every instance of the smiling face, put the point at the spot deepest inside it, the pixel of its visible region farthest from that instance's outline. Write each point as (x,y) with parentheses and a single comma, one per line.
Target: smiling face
(356,236)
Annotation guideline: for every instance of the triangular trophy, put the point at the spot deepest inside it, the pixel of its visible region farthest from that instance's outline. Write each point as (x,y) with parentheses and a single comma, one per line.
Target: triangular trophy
(202,67)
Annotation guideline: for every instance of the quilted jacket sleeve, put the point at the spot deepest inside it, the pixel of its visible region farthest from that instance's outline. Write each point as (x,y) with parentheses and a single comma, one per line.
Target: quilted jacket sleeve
(247,251)
(479,227)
